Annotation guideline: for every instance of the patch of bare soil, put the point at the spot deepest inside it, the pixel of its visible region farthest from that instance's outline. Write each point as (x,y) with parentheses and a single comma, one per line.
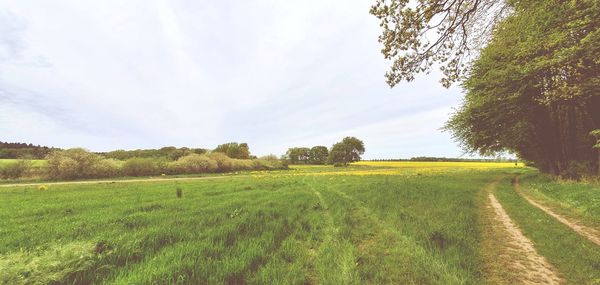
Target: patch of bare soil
(590,233)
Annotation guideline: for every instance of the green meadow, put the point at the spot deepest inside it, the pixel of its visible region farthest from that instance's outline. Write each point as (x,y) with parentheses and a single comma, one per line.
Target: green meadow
(374,223)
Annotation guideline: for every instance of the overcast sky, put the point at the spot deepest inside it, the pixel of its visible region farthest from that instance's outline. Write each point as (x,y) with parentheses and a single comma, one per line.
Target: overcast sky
(144,74)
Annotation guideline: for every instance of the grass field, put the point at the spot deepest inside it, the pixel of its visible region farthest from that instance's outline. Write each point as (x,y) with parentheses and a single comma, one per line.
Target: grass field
(372,223)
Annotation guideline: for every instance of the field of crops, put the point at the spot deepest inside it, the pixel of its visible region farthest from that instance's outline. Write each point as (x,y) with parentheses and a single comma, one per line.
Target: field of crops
(371,223)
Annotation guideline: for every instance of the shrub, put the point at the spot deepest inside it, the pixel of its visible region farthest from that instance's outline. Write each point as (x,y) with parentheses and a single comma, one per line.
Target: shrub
(16,169)
(242,164)
(144,166)
(72,164)
(107,168)
(224,162)
(261,164)
(179,192)
(195,163)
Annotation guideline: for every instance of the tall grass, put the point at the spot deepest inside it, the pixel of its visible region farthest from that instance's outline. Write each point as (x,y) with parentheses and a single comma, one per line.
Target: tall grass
(281,229)
(315,225)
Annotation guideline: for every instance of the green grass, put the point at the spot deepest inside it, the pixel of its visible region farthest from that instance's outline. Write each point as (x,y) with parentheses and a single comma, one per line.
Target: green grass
(310,225)
(579,199)
(577,258)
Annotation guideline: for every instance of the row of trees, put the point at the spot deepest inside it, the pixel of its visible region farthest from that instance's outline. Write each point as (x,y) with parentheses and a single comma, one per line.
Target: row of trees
(12,150)
(304,155)
(348,150)
(169,152)
(529,68)
(30,151)
(79,163)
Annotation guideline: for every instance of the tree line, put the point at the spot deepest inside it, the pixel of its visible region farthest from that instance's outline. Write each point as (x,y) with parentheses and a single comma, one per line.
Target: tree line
(78,163)
(529,70)
(342,153)
(29,151)
(13,150)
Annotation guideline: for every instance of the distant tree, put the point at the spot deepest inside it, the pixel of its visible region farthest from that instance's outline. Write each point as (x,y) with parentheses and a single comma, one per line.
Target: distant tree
(318,155)
(244,151)
(170,153)
(348,150)
(234,150)
(298,155)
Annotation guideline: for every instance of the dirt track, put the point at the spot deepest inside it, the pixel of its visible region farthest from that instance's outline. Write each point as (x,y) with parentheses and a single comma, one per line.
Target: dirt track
(592,234)
(516,258)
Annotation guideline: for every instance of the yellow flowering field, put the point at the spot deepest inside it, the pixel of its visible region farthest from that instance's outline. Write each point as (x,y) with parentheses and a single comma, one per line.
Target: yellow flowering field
(441,164)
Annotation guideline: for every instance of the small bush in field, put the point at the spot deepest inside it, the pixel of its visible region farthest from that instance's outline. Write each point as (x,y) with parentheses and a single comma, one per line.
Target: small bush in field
(179,192)
(43,187)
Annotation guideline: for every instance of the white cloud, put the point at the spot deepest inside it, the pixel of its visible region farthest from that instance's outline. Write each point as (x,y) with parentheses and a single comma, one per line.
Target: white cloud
(134,74)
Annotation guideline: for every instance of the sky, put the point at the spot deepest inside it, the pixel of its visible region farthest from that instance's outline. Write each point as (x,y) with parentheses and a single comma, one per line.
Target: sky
(116,74)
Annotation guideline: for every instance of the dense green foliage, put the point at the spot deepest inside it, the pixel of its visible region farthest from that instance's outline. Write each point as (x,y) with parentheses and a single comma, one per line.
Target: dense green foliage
(318,155)
(169,153)
(298,155)
(348,150)
(535,89)
(530,69)
(234,150)
(304,155)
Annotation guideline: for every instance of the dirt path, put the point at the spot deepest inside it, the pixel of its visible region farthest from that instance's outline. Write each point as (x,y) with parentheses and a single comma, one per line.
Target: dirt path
(591,234)
(120,181)
(511,256)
